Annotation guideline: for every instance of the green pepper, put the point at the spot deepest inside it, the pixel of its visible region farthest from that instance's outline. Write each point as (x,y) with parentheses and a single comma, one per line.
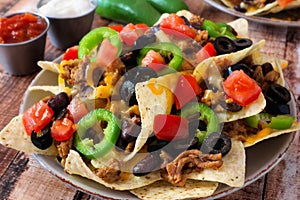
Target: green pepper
(168,50)
(206,114)
(165,6)
(218,29)
(128,11)
(92,39)
(279,122)
(86,145)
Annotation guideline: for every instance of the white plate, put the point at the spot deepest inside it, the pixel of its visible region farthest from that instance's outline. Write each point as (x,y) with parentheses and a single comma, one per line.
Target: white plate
(277,19)
(260,158)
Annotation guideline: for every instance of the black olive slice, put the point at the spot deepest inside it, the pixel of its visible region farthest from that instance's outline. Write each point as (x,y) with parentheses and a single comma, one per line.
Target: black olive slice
(224,45)
(278,93)
(127,92)
(238,66)
(144,40)
(216,142)
(232,107)
(44,140)
(140,74)
(242,43)
(266,68)
(274,108)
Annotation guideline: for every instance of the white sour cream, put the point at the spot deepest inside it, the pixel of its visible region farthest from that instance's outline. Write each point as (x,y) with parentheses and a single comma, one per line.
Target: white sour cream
(66,8)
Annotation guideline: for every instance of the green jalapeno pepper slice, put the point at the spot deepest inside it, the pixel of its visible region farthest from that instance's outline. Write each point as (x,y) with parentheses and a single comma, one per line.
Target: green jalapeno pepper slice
(206,114)
(168,50)
(86,145)
(218,29)
(279,122)
(92,39)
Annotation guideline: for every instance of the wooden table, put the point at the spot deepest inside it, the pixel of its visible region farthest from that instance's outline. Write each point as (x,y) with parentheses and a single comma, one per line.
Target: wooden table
(23,178)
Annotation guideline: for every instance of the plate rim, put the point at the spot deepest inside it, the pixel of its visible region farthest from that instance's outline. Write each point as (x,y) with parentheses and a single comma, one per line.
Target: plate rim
(260,19)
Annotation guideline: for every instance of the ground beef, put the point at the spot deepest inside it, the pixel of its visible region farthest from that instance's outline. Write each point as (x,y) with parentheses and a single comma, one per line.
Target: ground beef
(63,148)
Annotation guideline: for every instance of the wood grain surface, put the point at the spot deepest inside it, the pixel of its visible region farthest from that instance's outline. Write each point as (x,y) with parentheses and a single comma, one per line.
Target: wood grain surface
(21,177)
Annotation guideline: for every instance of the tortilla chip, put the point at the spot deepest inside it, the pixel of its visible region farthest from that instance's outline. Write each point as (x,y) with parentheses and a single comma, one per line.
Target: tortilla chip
(75,165)
(50,66)
(163,190)
(275,133)
(48,88)
(154,97)
(254,108)
(15,136)
(231,173)
(268,8)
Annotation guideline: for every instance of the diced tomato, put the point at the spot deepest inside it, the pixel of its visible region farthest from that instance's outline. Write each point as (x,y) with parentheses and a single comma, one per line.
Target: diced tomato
(154,60)
(241,88)
(186,90)
(37,117)
(62,129)
(130,33)
(284,3)
(77,110)
(117,27)
(169,127)
(206,52)
(107,53)
(175,25)
(71,53)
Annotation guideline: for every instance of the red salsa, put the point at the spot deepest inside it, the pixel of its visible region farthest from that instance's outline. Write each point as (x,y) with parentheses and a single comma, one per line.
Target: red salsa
(21,27)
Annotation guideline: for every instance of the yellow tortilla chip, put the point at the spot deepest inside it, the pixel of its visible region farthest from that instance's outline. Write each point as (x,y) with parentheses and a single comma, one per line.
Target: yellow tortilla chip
(15,136)
(231,173)
(163,190)
(75,165)
(256,139)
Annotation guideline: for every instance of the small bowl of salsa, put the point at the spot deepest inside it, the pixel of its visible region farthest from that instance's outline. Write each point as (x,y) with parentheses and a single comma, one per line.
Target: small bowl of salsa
(22,42)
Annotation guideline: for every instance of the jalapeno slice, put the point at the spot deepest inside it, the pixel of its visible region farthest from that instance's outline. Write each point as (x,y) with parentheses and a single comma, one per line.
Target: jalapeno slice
(85,145)
(91,40)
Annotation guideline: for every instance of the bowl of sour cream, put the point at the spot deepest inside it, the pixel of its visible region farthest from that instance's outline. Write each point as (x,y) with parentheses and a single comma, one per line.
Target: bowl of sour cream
(69,20)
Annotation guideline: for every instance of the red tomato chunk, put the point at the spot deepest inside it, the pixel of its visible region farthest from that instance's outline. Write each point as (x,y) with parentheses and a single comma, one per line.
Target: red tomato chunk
(20,28)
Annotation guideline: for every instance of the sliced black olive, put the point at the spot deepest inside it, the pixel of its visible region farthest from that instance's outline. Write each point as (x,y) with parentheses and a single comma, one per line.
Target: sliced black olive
(216,142)
(148,164)
(127,92)
(238,66)
(59,102)
(144,74)
(129,60)
(156,145)
(43,140)
(242,43)
(266,68)
(140,74)
(274,108)
(144,40)
(224,45)
(232,107)
(186,21)
(278,93)
(61,113)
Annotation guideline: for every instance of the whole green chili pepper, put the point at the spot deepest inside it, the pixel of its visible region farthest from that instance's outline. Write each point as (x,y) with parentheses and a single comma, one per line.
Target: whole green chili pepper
(168,50)
(128,11)
(86,145)
(167,6)
(206,114)
(218,29)
(92,39)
